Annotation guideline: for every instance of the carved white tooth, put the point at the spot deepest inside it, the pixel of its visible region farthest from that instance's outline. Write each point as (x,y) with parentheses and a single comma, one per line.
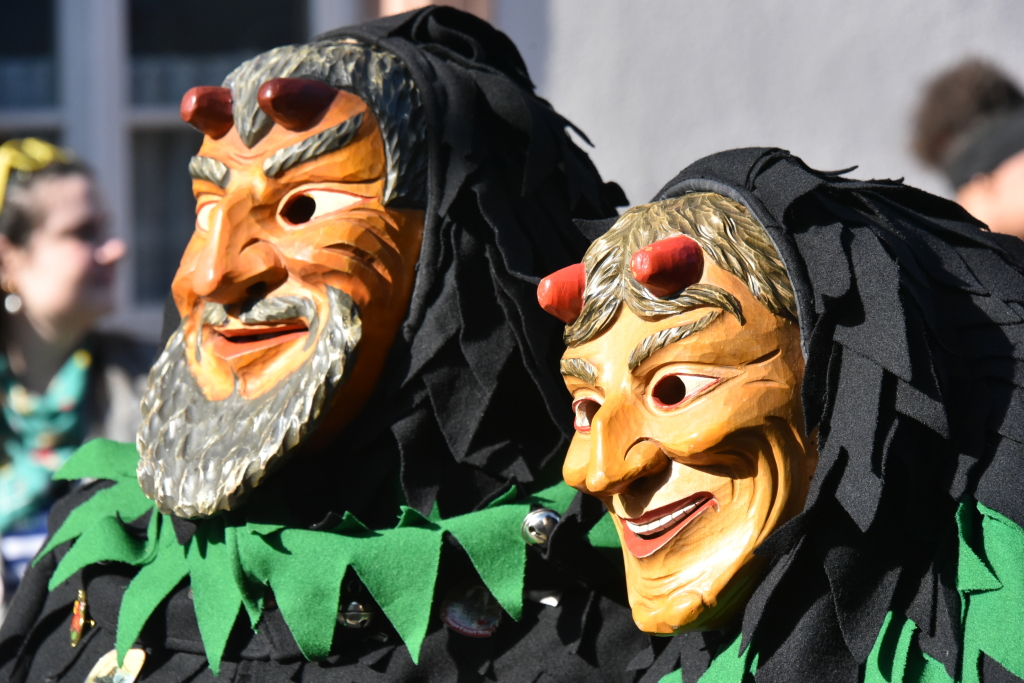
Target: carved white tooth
(663,521)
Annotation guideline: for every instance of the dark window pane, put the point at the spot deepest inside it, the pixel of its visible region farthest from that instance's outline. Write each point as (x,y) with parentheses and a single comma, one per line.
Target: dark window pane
(29,28)
(26,54)
(203,27)
(177,44)
(164,208)
(163,79)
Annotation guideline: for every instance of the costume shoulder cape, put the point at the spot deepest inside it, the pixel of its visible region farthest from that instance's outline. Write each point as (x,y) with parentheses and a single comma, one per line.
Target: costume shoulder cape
(990,581)
(233,559)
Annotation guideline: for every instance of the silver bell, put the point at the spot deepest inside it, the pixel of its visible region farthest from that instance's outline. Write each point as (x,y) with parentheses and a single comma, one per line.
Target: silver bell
(539,525)
(355,616)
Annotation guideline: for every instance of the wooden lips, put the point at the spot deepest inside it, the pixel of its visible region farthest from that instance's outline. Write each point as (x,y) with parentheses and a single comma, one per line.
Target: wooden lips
(663,268)
(294,103)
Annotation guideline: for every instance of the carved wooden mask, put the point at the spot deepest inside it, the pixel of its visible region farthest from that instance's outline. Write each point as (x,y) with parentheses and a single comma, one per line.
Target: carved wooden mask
(689,428)
(270,224)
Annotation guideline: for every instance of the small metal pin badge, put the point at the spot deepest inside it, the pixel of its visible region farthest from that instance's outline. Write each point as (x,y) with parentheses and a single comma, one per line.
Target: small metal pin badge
(107,670)
(471,610)
(80,619)
(539,525)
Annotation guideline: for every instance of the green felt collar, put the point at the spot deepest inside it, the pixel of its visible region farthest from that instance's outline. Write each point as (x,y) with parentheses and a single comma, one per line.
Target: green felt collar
(231,560)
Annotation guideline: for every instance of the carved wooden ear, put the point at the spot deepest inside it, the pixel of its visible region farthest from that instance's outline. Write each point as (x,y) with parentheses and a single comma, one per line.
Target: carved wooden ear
(669,265)
(207,108)
(561,293)
(295,103)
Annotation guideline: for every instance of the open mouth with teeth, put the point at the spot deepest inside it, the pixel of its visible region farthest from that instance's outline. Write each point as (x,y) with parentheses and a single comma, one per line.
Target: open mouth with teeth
(648,533)
(229,342)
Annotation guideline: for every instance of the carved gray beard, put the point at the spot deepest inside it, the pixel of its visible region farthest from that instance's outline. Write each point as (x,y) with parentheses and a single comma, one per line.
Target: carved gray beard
(199,456)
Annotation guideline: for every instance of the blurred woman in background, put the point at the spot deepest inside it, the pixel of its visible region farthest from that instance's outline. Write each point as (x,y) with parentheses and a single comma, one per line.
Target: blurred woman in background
(970,126)
(61,383)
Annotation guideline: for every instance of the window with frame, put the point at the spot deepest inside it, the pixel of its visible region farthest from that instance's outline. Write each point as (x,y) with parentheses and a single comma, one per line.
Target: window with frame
(175,45)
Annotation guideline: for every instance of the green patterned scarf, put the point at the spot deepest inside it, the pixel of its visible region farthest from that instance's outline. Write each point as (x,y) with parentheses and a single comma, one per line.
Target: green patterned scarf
(39,433)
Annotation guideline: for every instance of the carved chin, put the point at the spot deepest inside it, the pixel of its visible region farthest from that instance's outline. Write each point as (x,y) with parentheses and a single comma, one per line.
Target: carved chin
(670,614)
(706,601)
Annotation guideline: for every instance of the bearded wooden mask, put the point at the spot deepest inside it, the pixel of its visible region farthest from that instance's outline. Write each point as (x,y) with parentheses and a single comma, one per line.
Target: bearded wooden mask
(292,288)
(686,394)
(313,224)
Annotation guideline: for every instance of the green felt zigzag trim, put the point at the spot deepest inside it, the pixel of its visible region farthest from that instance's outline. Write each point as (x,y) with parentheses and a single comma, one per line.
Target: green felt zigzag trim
(231,561)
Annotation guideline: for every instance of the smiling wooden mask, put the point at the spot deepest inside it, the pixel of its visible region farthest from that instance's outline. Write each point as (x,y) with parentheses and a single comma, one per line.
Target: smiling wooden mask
(686,398)
(272,221)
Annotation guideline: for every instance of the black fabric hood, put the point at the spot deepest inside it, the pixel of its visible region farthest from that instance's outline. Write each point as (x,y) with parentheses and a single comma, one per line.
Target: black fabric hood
(912,324)
(472,366)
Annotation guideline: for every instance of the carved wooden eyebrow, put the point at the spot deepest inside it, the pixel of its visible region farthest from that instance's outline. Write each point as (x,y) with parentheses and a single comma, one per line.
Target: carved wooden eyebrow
(660,340)
(315,145)
(207,168)
(578,368)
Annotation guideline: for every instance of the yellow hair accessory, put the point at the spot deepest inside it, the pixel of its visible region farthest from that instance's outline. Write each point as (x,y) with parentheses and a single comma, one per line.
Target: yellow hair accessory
(28,155)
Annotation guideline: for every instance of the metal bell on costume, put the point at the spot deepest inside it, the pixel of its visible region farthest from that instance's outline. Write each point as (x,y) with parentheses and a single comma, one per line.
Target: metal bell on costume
(355,616)
(539,525)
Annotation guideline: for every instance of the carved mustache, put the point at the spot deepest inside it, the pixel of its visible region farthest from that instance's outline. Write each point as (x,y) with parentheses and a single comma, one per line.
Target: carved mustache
(261,311)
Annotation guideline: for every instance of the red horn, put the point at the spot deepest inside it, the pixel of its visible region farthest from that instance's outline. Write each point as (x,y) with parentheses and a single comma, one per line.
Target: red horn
(561,293)
(669,265)
(207,108)
(295,103)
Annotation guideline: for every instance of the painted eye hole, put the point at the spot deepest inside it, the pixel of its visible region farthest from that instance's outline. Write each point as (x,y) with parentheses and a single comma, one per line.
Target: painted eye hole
(585,408)
(306,206)
(672,390)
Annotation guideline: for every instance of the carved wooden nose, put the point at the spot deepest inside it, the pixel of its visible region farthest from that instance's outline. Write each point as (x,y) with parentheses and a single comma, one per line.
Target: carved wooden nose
(561,293)
(295,103)
(207,108)
(669,265)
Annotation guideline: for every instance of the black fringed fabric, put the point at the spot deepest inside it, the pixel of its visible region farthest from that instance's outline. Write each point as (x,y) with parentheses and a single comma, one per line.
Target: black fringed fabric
(912,324)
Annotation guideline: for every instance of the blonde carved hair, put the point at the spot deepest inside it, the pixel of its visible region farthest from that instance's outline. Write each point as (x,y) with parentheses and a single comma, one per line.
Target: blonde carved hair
(725,230)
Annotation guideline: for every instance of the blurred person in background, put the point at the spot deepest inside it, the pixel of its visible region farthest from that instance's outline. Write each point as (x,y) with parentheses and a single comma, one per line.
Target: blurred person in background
(970,126)
(61,383)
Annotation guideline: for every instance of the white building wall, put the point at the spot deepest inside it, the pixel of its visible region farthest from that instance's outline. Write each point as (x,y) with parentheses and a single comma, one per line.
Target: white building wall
(656,84)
